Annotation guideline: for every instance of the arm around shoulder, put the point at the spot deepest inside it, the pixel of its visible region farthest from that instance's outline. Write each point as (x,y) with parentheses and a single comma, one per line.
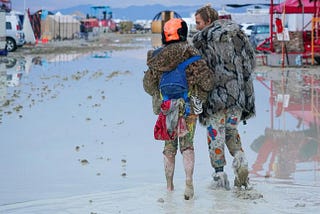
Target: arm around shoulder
(205,79)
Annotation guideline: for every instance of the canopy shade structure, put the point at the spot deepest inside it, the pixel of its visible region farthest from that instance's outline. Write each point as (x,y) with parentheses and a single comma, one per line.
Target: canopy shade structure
(297,6)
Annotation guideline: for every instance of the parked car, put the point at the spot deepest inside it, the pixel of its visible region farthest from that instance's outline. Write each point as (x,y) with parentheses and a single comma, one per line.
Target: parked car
(259,33)
(138,27)
(247,28)
(14,35)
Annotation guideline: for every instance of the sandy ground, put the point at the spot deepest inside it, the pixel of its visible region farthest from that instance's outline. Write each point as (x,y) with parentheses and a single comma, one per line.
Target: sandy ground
(107,41)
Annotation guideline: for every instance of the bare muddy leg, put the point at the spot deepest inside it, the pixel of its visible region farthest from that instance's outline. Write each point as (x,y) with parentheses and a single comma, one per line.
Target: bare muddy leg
(188,162)
(169,163)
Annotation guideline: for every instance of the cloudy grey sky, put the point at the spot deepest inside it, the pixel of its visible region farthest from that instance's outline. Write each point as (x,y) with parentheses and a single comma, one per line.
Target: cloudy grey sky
(35,5)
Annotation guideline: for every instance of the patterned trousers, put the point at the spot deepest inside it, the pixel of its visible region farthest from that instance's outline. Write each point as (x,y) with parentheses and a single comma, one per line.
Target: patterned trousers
(223,129)
(185,142)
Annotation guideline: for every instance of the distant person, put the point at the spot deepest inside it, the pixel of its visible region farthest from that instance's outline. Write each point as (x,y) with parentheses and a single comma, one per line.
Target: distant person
(174,51)
(84,30)
(231,58)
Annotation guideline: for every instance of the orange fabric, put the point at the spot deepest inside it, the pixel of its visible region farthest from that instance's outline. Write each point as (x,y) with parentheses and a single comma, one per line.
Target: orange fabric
(218,151)
(170,29)
(279,109)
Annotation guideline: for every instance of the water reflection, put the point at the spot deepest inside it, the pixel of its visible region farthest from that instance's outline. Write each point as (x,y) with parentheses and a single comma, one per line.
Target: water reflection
(12,69)
(290,144)
(3,83)
(156,41)
(104,54)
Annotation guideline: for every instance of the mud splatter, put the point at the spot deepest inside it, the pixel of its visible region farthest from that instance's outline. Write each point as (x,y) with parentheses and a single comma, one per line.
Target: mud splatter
(251,194)
(117,73)
(84,162)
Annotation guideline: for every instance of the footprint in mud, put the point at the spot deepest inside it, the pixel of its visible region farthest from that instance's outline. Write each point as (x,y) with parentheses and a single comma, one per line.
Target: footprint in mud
(124,165)
(84,162)
(251,194)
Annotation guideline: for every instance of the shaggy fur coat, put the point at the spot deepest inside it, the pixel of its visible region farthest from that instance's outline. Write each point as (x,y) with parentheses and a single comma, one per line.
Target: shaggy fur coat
(200,78)
(231,58)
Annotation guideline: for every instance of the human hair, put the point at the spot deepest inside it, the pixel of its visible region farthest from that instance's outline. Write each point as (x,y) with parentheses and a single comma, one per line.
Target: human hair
(207,13)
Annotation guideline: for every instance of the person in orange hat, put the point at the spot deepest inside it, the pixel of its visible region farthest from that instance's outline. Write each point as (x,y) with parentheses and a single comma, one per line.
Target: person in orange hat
(177,50)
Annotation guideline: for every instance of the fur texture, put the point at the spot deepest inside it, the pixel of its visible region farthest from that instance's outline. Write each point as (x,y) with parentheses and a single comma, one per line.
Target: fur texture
(231,58)
(200,78)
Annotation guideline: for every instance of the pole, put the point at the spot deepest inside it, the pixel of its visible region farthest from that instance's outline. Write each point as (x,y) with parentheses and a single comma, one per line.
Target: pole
(271,25)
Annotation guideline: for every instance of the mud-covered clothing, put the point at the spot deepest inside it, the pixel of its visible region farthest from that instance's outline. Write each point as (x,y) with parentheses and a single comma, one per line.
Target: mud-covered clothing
(170,124)
(222,129)
(199,77)
(231,57)
(185,142)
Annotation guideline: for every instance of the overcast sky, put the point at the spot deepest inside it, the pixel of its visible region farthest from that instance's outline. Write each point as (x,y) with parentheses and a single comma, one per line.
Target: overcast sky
(35,5)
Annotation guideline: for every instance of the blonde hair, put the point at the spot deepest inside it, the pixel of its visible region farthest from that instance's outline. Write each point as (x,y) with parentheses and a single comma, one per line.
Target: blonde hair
(207,13)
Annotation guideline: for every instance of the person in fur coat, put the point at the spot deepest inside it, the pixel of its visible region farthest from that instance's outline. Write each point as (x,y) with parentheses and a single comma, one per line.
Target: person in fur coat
(231,58)
(175,50)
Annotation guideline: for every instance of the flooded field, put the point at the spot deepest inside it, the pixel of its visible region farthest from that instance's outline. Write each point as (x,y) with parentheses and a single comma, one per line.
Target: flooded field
(76,136)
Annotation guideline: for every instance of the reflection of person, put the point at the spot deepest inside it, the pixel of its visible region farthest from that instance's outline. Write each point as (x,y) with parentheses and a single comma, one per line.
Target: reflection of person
(200,80)
(37,60)
(267,148)
(231,58)
(280,150)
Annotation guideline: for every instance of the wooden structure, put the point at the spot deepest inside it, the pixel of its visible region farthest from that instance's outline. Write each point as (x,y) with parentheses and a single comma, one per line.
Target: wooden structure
(161,18)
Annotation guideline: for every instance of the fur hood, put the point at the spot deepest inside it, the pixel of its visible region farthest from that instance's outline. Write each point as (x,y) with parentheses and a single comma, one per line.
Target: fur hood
(231,58)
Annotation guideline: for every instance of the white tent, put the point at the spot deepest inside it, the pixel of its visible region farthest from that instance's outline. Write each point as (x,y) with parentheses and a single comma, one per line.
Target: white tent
(27,29)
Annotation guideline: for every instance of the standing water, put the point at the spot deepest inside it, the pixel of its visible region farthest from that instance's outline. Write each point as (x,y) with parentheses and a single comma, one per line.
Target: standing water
(76,136)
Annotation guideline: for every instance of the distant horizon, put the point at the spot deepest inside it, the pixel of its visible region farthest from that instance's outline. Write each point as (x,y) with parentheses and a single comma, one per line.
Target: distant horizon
(146,12)
(53,5)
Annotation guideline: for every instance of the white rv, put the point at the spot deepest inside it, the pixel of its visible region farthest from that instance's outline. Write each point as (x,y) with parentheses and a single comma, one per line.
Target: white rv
(14,35)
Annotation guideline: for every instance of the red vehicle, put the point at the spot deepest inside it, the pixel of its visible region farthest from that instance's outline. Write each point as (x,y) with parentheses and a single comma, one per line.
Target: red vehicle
(87,25)
(308,37)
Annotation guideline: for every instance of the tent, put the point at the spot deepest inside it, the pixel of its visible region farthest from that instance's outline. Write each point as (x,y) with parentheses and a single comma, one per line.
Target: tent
(297,6)
(298,19)
(27,29)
